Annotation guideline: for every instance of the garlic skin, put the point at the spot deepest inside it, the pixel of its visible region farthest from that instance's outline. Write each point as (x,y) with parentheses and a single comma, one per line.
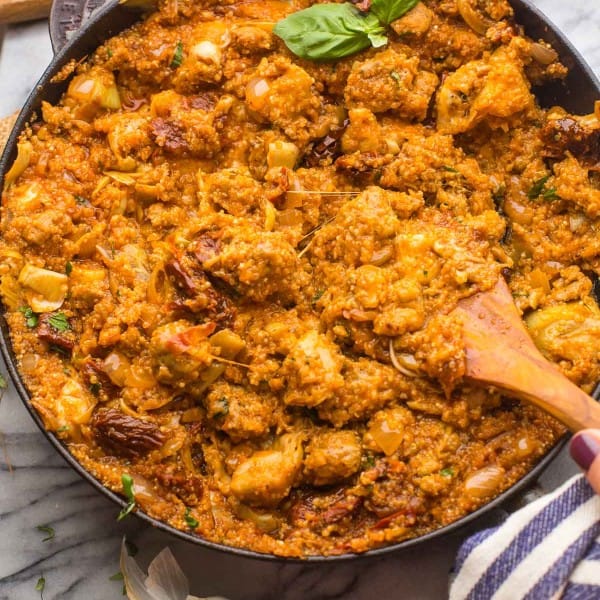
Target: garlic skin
(165,579)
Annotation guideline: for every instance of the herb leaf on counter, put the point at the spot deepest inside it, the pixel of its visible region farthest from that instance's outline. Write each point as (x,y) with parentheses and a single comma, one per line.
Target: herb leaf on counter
(49,531)
(329,31)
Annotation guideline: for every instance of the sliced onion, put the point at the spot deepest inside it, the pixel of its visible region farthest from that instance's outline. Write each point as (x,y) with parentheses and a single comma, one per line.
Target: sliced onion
(485,482)
(407,359)
(543,54)
(24,150)
(257,92)
(473,18)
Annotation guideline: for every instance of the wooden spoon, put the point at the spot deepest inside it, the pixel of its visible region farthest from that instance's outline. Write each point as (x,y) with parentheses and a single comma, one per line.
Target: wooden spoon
(500,353)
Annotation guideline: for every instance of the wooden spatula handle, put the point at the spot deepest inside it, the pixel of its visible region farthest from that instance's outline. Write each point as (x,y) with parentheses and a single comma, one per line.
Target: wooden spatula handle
(542,384)
(16,11)
(501,353)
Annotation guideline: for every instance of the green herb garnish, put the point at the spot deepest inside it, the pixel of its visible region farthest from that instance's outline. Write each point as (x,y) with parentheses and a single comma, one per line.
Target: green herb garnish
(550,194)
(116,577)
(3,382)
(59,322)
(82,200)
(95,388)
(177,56)
(222,408)
(388,11)
(31,319)
(40,585)
(537,187)
(447,472)
(449,169)
(330,31)
(127,483)
(49,531)
(396,77)
(189,519)
(62,429)
(68,268)
(318,295)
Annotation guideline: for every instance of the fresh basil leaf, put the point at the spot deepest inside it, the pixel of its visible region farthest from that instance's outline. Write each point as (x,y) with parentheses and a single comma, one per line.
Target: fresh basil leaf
(329,31)
(390,10)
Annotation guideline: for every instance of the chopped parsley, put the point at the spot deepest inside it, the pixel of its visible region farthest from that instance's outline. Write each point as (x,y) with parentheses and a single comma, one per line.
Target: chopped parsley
(177,56)
(95,388)
(318,295)
(59,322)
(189,519)
(31,319)
(68,268)
(538,187)
(449,169)
(221,408)
(447,472)
(127,483)
(396,77)
(550,194)
(82,200)
(62,429)
(49,531)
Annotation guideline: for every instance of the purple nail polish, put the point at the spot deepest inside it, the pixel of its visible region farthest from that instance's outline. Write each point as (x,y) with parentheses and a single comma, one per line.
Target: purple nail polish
(584,448)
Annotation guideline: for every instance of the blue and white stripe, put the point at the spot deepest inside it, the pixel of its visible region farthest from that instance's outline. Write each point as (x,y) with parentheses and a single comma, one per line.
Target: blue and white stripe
(548,550)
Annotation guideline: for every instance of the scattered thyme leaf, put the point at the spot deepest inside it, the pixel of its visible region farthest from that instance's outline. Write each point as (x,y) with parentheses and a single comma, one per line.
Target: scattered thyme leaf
(177,56)
(192,523)
(449,169)
(31,319)
(49,531)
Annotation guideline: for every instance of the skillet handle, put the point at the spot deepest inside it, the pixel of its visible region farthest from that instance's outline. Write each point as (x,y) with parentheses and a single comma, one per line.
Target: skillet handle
(67,17)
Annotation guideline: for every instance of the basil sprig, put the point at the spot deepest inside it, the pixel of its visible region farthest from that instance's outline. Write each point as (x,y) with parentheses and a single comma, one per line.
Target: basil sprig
(329,31)
(390,10)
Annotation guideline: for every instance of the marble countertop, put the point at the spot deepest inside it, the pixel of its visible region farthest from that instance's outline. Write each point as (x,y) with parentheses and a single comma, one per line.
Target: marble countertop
(38,488)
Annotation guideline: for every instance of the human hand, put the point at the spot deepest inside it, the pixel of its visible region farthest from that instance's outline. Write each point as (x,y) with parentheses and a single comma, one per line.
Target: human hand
(585,451)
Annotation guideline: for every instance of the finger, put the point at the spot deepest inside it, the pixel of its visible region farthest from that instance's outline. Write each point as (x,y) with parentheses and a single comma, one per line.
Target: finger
(585,451)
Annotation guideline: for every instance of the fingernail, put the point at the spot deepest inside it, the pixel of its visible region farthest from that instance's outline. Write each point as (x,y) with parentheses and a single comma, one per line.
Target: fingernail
(584,448)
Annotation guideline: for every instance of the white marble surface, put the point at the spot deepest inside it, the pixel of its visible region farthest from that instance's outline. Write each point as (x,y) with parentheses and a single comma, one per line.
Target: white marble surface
(39,488)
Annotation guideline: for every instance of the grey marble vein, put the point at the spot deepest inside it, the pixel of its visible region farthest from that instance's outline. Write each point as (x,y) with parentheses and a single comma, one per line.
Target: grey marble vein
(41,489)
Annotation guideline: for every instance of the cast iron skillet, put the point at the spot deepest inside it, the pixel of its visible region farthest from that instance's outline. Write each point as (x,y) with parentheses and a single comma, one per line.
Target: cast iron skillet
(577,94)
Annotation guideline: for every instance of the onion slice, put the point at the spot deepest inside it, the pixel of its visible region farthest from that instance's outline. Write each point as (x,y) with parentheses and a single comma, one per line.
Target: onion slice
(473,18)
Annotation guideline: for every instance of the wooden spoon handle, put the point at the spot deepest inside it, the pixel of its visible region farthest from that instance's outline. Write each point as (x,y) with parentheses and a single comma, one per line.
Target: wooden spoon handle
(17,11)
(542,384)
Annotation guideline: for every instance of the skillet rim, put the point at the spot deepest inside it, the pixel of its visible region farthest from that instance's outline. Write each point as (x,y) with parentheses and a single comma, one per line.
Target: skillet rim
(100,27)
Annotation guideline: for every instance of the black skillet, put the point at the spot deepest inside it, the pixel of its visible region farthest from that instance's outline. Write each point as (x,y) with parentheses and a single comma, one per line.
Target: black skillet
(77,27)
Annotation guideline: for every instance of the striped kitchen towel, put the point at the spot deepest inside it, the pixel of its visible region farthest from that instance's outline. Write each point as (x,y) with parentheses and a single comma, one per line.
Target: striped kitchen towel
(548,550)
